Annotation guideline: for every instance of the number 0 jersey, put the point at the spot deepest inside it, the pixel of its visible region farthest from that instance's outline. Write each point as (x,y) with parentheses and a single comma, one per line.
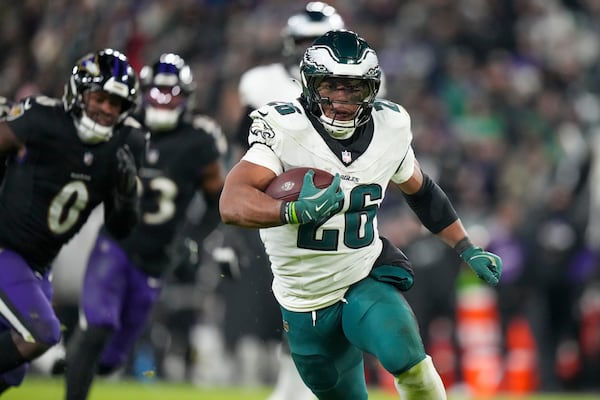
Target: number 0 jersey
(50,189)
(313,265)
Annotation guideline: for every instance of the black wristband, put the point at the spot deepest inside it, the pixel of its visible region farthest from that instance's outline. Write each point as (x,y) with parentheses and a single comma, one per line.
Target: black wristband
(463,244)
(284,213)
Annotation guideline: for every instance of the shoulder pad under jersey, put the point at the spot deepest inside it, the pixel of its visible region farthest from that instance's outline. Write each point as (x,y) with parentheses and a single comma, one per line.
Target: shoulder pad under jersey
(46,101)
(132,122)
(392,114)
(213,128)
(276,119)
(19,108)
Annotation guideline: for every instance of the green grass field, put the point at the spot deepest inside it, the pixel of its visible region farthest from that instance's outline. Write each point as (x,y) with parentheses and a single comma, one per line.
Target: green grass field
(35,388)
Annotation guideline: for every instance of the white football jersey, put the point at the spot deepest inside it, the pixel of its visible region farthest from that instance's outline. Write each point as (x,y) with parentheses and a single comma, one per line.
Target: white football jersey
(266,83)
(313,266)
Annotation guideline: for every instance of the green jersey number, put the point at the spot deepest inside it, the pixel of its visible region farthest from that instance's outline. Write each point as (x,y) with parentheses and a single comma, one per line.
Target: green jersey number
(284,108)
(358,230)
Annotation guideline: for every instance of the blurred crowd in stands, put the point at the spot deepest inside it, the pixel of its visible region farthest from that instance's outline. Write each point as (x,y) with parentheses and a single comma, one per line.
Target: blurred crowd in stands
(504,97)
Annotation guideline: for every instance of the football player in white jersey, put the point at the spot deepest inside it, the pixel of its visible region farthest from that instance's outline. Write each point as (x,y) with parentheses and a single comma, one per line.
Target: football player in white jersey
(280,81)
(337,281)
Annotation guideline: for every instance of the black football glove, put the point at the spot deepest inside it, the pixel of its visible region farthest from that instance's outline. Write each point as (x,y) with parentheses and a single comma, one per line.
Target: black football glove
(185,259)
(122,213)
(126,179)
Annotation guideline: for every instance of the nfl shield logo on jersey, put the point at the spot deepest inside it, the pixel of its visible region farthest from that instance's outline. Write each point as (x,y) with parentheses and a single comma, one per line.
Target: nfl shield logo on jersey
(152,156)
(88,158)
(346,156)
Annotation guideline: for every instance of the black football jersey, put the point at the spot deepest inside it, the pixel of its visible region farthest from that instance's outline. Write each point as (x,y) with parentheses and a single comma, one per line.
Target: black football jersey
(170,176)
(50,188)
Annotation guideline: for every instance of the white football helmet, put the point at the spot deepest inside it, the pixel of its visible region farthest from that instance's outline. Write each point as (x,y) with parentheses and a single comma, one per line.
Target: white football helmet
(303,28)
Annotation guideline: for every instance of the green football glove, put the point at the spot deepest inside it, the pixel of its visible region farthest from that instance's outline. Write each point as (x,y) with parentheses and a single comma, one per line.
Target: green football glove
(313,204)
(486,265)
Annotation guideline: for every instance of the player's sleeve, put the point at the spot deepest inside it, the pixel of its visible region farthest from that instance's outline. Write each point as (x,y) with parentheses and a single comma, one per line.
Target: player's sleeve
(5,107)
(407,166)
(213,145)
(138,140)
(264,144)
(214,129)
(123,213)
(396,124)
(29,117)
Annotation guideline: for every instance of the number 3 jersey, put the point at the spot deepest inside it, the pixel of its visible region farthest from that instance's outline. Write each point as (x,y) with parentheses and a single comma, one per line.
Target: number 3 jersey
(313,265)
(51,187)
(170,175)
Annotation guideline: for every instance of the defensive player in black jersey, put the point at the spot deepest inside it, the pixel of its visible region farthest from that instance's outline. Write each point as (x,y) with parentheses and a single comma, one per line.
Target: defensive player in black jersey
(63,159)
(123,277)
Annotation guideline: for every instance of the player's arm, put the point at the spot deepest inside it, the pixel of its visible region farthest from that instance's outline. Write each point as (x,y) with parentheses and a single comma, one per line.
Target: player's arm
(9,143)
(121,208)
(434,209)
(212,179)
(8,140)
(243,202)
(210,185)
(186,247)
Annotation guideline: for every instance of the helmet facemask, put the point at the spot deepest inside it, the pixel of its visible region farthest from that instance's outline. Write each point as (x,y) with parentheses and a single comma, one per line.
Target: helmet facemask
(163,106)
(90,131)
(340,61)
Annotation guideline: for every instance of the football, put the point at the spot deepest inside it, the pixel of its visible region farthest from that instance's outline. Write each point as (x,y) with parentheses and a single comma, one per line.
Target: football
(287,185)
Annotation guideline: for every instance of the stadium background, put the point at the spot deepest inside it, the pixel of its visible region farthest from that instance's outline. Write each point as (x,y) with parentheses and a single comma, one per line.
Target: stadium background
(504,102)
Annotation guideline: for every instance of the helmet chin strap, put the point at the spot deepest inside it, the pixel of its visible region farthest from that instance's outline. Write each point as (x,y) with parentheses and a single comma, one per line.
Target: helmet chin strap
(337,129)
(91,132)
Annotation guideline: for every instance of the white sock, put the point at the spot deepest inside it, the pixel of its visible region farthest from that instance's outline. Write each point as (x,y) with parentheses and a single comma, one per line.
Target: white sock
(421,382)
(289,385)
